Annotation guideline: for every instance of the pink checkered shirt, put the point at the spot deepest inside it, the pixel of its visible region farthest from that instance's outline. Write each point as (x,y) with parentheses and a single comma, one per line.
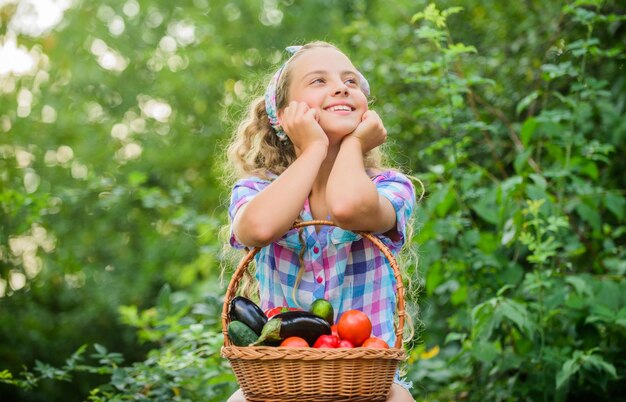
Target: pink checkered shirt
(341,266)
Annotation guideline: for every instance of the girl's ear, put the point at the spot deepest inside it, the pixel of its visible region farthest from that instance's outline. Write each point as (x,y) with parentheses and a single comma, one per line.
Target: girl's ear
(279,115)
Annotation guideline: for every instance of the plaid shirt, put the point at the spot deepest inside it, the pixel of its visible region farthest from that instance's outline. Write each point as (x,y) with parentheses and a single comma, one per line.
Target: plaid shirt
(341,266)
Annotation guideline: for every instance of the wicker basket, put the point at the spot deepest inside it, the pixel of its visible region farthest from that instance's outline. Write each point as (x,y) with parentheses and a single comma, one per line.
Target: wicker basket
(314,375)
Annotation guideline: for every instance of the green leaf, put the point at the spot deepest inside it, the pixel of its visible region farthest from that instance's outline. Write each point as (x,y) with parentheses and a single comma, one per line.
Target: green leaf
(616,204)
(599,363)
(136,179)
(518,314)
(539,180)
(589,168)
(451,10)
(553,71)
(426,32)
(416,17)
(528,129)
(76,357)
(521,160)
(620,318)
(524,103)
(600,313)
(569,368)
(100,349)
(442,200)
(459,296)
(454,337)
(459,48)
(485,352)
(6,375)
(508,232)
(580,284)
(164,300)
(434,277)
(484,320)
(590,215)
(486,208)
(50,372)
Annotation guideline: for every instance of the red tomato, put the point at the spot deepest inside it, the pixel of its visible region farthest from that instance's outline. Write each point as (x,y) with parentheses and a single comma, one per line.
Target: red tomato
(334,330)
(270,312)
(326,341)
(345,344)
(294,342)
(375,343)
(355,326)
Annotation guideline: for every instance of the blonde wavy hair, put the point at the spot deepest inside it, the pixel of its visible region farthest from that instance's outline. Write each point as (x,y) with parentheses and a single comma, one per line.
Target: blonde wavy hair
(255,150)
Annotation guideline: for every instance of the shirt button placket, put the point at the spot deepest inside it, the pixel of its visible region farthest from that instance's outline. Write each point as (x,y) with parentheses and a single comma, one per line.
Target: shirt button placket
(316,253)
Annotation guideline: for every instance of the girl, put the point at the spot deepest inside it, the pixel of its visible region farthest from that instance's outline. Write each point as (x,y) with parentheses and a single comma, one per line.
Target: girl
(309,150)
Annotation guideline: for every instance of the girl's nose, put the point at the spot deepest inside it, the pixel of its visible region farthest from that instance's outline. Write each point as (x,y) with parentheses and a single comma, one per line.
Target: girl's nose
(341,89)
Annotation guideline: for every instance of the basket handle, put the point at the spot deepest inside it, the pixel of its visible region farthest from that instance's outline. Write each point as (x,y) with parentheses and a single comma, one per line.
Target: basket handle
(245,261)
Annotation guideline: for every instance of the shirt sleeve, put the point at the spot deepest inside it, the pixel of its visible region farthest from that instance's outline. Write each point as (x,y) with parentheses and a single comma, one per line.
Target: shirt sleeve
(243,191)
(399,190)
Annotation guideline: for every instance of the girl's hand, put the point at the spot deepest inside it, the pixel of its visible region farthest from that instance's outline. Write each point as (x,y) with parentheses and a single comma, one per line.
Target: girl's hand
(301,123)
(370,132)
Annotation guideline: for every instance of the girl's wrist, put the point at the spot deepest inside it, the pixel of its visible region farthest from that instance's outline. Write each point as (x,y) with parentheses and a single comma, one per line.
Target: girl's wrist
(317,148)
(352,142)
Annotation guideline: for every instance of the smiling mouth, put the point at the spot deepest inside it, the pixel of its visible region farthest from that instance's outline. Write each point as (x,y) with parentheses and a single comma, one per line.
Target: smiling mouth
(339,108)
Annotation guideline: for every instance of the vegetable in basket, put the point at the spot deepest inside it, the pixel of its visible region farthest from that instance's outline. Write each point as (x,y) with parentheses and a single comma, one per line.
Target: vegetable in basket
(241,334)
(293,323)
(327,341)
(246,311)
(323,308)
(355,326)
(271,312)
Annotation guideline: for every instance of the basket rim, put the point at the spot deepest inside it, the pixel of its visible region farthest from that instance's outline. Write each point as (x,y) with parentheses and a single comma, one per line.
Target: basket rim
(233,285)
(308,353)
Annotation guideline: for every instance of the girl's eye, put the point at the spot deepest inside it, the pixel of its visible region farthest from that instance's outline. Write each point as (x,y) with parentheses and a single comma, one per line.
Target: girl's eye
(351,81)
(318,81)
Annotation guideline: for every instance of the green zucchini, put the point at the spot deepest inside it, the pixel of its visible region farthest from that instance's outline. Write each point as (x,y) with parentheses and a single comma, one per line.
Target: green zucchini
(240,334)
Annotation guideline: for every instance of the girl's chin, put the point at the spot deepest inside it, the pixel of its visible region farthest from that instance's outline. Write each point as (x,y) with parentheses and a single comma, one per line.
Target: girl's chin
(339,131)
(337,137)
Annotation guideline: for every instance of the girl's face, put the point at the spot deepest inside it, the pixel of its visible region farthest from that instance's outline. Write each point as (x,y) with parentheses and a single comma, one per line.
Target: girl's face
(325,79)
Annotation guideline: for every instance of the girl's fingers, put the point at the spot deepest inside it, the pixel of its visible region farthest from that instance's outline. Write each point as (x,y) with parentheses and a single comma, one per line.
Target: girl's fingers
(300,122)
(312,113)
(371,131)
(293,110)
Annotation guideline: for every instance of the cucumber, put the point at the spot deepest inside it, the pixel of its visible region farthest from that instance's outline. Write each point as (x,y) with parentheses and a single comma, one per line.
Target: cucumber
(240,334)
(246,311)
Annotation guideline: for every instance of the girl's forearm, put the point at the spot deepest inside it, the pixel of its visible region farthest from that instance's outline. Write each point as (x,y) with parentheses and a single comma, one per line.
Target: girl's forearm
(270,214)
(351,196)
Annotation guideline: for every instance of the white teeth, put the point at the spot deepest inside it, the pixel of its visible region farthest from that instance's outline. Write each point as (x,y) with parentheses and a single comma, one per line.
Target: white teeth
(340,107)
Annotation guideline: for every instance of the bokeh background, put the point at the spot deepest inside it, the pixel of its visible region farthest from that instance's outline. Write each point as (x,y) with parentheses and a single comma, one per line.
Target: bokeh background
(114,117)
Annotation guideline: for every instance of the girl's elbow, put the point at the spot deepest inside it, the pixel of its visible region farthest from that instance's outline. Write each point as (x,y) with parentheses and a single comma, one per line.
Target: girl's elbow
(255,235)
(346,215)
(258,240)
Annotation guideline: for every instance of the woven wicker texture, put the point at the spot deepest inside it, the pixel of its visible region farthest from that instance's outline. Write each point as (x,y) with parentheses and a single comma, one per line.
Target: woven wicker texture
(314,375)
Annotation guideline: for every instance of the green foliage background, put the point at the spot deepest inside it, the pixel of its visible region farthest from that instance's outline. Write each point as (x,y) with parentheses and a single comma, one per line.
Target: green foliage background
(111,196)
